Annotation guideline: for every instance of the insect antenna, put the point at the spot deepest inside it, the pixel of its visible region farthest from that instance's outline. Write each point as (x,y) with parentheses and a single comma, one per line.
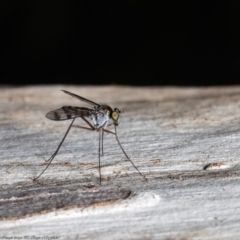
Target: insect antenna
(128,106)
(55,153)
(125,152)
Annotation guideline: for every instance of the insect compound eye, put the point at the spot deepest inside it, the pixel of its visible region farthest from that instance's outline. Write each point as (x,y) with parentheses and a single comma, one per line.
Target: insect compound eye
(115,115)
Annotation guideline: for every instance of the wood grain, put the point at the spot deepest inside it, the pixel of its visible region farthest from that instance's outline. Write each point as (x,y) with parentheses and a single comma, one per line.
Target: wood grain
(184,140)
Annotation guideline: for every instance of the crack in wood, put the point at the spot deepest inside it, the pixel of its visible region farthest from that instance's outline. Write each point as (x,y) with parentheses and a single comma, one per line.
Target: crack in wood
(16,207)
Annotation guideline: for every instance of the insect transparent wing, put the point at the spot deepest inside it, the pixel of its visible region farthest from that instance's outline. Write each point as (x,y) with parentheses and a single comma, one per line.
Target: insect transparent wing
(81,98)
(68,112)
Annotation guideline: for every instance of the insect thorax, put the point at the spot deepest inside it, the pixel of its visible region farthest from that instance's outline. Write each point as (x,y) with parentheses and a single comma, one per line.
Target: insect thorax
(101,116)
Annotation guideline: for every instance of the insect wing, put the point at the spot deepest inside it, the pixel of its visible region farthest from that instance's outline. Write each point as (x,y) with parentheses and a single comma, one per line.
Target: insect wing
(81,98)
(68,112)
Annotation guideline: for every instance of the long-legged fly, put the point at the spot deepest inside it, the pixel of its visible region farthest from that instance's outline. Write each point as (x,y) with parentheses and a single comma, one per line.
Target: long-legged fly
(99,116)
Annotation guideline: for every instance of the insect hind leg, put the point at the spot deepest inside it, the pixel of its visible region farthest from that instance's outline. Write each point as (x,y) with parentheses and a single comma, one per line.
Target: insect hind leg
(55,153)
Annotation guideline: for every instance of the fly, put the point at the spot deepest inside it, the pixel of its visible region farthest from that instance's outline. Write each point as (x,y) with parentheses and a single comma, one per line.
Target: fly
(99,117)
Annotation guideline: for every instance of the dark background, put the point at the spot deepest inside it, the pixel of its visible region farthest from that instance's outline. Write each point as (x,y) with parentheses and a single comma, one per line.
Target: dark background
(119,42)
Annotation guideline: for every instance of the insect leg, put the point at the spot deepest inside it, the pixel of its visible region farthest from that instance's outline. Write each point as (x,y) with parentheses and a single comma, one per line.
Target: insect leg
(125,152)
(86,128)
(55,153)
(105,130)
(102,142)
(99,157)
(99,146)
(89,124)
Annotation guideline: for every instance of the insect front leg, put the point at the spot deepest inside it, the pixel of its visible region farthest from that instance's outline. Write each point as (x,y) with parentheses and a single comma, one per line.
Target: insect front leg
(120,145)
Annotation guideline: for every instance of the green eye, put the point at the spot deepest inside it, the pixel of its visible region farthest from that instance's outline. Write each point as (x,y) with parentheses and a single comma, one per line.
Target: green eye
(115,116)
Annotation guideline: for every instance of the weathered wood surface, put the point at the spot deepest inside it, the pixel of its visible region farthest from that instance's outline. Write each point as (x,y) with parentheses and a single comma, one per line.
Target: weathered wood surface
(186,141)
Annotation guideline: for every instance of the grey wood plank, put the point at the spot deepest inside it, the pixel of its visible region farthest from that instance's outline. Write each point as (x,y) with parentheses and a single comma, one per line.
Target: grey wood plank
(184,140)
